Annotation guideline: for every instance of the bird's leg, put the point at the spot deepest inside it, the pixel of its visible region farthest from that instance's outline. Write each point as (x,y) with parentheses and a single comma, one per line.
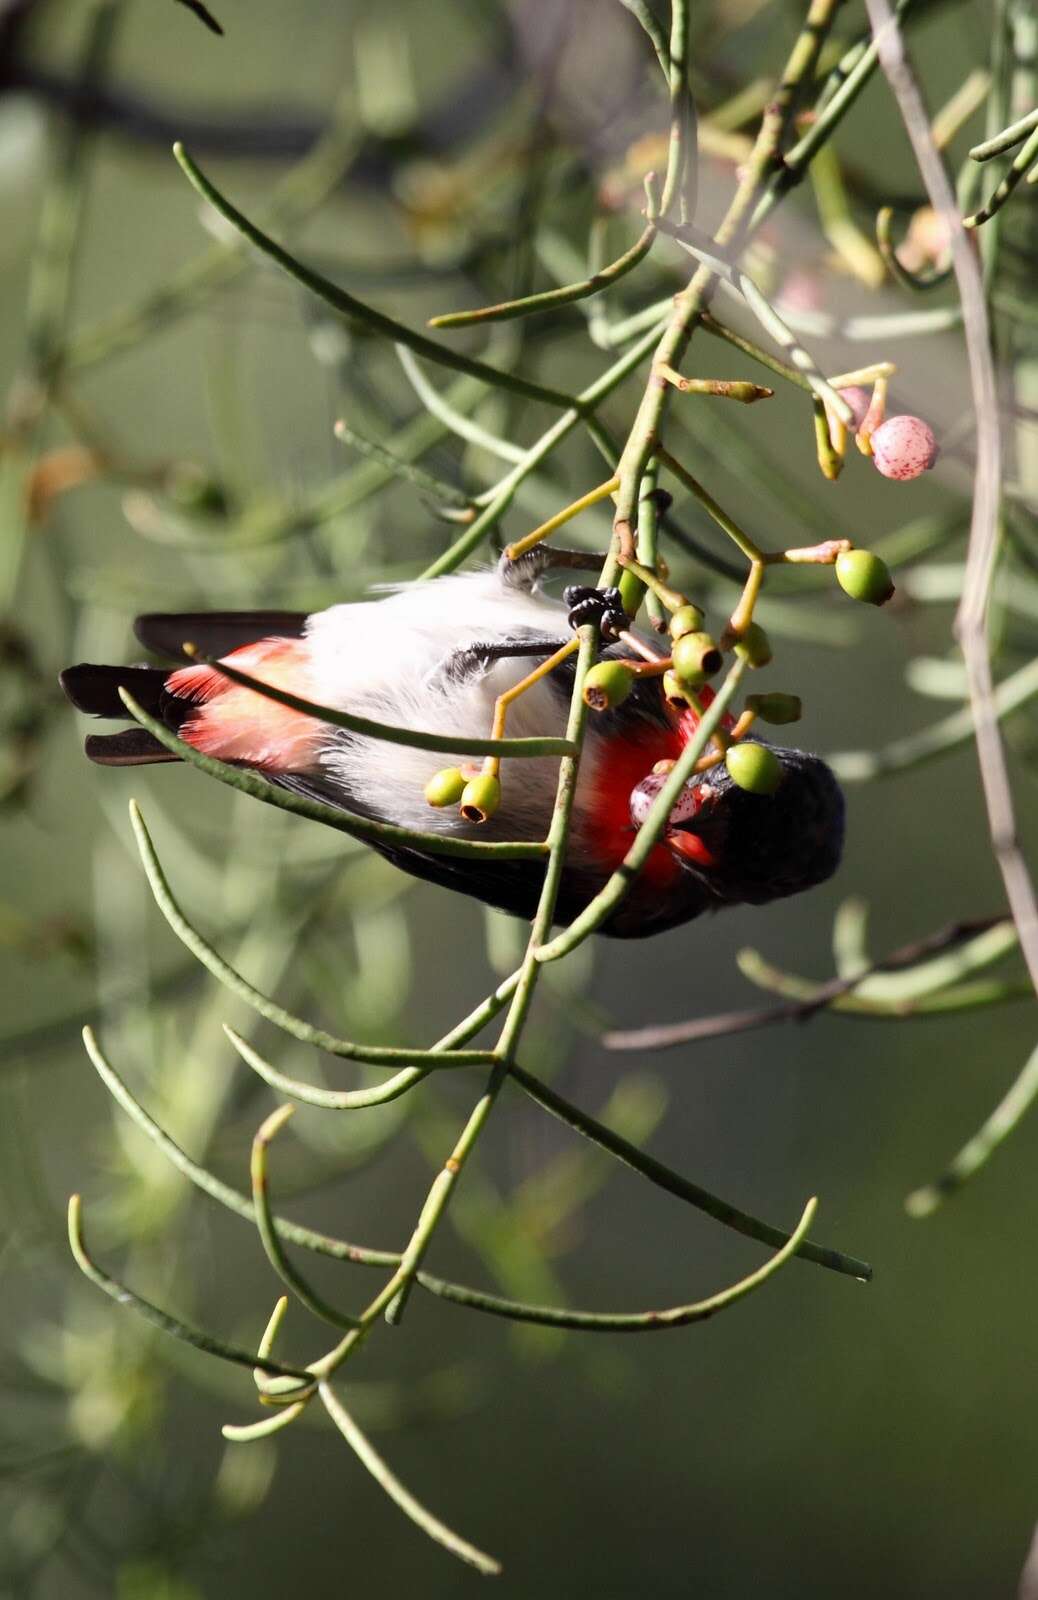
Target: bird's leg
(476,658)
(525,570)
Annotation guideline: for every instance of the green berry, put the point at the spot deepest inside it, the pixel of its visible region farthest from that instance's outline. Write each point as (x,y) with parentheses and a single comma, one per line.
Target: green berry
(607,684)
(674,691)
(445,787)
(754,768)
(480,798)
(754,646)
(687,619)
(864,577)
(775,708)
(696,658)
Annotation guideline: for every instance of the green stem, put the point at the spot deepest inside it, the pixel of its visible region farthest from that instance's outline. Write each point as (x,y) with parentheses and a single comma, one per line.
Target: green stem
(267,1229)
(357,827)
(500,497)
(203,951)
(454,420)
(445,493)
(369,1457)
(658,39)
(664,1178)
(344,1099)
(161,1319)
(608,898)
(1006,139)
(366,728)
(974,1155)
(550,299)
(638,1321)
(349,306)
(695,297)
(916,281)
(711,507)
(558,835)
(223,1193)
(1022,164)
(831,113)
(682,155)
(705,250)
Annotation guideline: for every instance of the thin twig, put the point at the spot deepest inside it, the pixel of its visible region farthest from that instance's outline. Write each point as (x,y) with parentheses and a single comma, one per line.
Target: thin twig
(972,620)
(663,1036)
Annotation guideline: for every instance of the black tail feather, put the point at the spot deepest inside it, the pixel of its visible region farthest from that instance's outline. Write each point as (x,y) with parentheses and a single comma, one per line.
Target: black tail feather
(96,689)
(216,633)
(133,747)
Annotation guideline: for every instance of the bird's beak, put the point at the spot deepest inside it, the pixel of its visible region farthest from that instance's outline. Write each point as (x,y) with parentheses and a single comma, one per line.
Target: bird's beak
(690,848)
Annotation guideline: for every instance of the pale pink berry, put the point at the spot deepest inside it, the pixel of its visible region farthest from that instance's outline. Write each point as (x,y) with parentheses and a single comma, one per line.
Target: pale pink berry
(801,291)
(904,447)
(927,242)
(644,794)
(858,400)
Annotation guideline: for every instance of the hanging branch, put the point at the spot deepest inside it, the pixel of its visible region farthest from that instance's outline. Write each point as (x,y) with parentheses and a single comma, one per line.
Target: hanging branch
(648,1321)
(358,827)
(412,738)
(551,299)
(161,1319)
(349,306)
(202,950)
(972,618)
(815,998)
(975,1155)
(930,974)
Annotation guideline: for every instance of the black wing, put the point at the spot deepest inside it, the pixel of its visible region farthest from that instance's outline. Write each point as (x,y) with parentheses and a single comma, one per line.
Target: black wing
(216,633)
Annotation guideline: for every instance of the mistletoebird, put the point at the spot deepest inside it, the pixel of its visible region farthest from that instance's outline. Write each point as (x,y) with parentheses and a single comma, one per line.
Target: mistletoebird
(435,656)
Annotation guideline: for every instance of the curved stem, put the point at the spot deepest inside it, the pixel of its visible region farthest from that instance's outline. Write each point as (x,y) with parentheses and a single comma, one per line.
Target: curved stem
(357,827)
(632,1321)
(328,1099)
(551,299)
(665,1178)
(974,1155)
(203,951)
(445,494)
(270,1240)
(917,281)
(366,728)
(608,898)
(161,1319)
(349,306)
(1022,163)
(1006,139)
(369,1457)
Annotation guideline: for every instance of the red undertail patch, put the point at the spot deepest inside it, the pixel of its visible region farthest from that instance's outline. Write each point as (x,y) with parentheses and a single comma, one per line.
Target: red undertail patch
(236,724)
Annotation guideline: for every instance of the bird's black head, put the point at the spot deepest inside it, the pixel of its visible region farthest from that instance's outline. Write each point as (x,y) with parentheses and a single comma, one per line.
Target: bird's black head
(761,847)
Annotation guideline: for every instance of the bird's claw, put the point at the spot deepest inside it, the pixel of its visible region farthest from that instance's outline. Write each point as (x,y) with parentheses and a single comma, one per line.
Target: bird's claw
(603,607)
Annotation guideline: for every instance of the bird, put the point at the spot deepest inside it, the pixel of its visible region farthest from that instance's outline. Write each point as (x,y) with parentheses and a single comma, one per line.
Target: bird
(434,655)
